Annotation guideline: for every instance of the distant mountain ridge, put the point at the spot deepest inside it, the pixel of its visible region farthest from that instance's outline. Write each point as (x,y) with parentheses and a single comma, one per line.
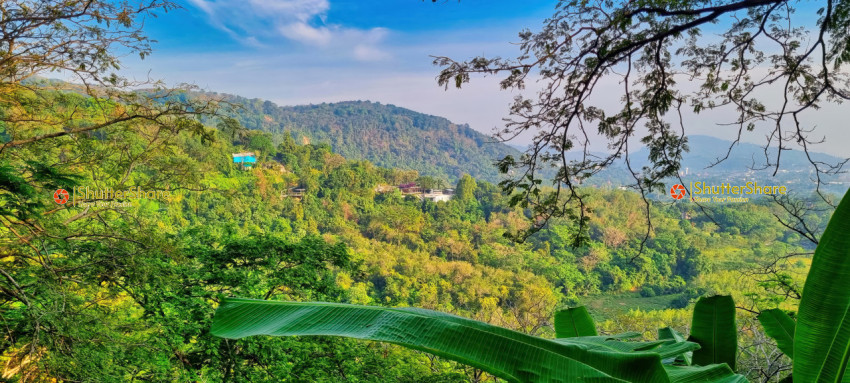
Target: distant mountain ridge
(386,135)
(705,150)
(746,162)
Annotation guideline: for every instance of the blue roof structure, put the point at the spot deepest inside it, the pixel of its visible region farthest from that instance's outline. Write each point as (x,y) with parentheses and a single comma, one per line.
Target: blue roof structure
(241,159)
(246,159)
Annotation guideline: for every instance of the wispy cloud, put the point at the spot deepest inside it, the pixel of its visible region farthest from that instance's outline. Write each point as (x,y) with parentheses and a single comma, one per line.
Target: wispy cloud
(264,23)
(307,34)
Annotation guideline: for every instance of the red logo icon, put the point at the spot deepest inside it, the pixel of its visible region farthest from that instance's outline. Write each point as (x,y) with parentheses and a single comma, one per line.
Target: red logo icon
(677,191)
(61,196)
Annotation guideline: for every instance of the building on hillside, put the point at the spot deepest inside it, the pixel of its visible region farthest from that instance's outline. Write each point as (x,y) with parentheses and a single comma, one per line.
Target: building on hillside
(410,188)
(436,196)
(246,159)
(296,192)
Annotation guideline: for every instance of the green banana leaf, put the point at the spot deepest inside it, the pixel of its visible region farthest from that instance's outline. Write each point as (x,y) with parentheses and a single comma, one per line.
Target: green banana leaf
(779,326)
(714,373)
(822,336)
(713,328)
(671,335)
(511,355)
(574,322)
(664,348)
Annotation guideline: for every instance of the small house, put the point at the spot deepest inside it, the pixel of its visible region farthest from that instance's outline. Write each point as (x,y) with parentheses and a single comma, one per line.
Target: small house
(409,188)
(246,159)
(437,197)
(296,192)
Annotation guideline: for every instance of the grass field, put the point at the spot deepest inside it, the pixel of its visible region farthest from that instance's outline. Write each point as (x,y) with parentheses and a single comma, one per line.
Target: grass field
(604,307)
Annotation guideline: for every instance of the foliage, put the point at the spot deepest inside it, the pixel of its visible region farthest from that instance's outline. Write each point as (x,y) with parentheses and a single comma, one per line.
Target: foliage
(820,338)
(475,343)
(159,267)
(715,330)
(124,289)
(574,322)
(713,327)
(779,326)
(670,333)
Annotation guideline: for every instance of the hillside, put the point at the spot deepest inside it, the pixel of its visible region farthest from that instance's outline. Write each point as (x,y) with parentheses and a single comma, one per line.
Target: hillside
(386,135)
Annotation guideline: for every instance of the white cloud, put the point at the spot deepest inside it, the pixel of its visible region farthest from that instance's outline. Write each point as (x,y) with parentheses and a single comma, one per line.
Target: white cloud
(263,23)
(307,34)
(300,9)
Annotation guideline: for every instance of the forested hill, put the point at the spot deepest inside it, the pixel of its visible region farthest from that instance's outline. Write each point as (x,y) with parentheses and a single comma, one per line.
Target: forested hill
(386,135)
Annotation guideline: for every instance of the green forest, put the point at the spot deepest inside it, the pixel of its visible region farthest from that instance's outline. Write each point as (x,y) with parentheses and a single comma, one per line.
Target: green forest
(312,265)
(132,291)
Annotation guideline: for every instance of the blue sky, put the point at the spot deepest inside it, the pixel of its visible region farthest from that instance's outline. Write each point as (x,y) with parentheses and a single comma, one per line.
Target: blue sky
(313,51)
(226,25)
(398,35)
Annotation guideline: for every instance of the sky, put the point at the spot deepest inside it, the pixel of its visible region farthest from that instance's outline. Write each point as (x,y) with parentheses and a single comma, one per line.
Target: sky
(312,51)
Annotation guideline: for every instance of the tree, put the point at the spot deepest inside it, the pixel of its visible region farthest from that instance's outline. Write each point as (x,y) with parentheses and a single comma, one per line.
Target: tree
(78,36)
(427,182)
(261,142)
(60,267)
(465,189)
(82,39)
(652,48)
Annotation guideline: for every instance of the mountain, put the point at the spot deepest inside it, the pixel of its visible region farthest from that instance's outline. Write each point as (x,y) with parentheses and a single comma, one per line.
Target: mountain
(705,150)
(746,162)
(386,135)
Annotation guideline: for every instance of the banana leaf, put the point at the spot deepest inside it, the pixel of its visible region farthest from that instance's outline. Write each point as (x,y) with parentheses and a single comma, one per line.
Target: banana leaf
(713,328)
(511,355)
(822,334)
(574,322)
(664,348)
(671,335)
(779,326)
